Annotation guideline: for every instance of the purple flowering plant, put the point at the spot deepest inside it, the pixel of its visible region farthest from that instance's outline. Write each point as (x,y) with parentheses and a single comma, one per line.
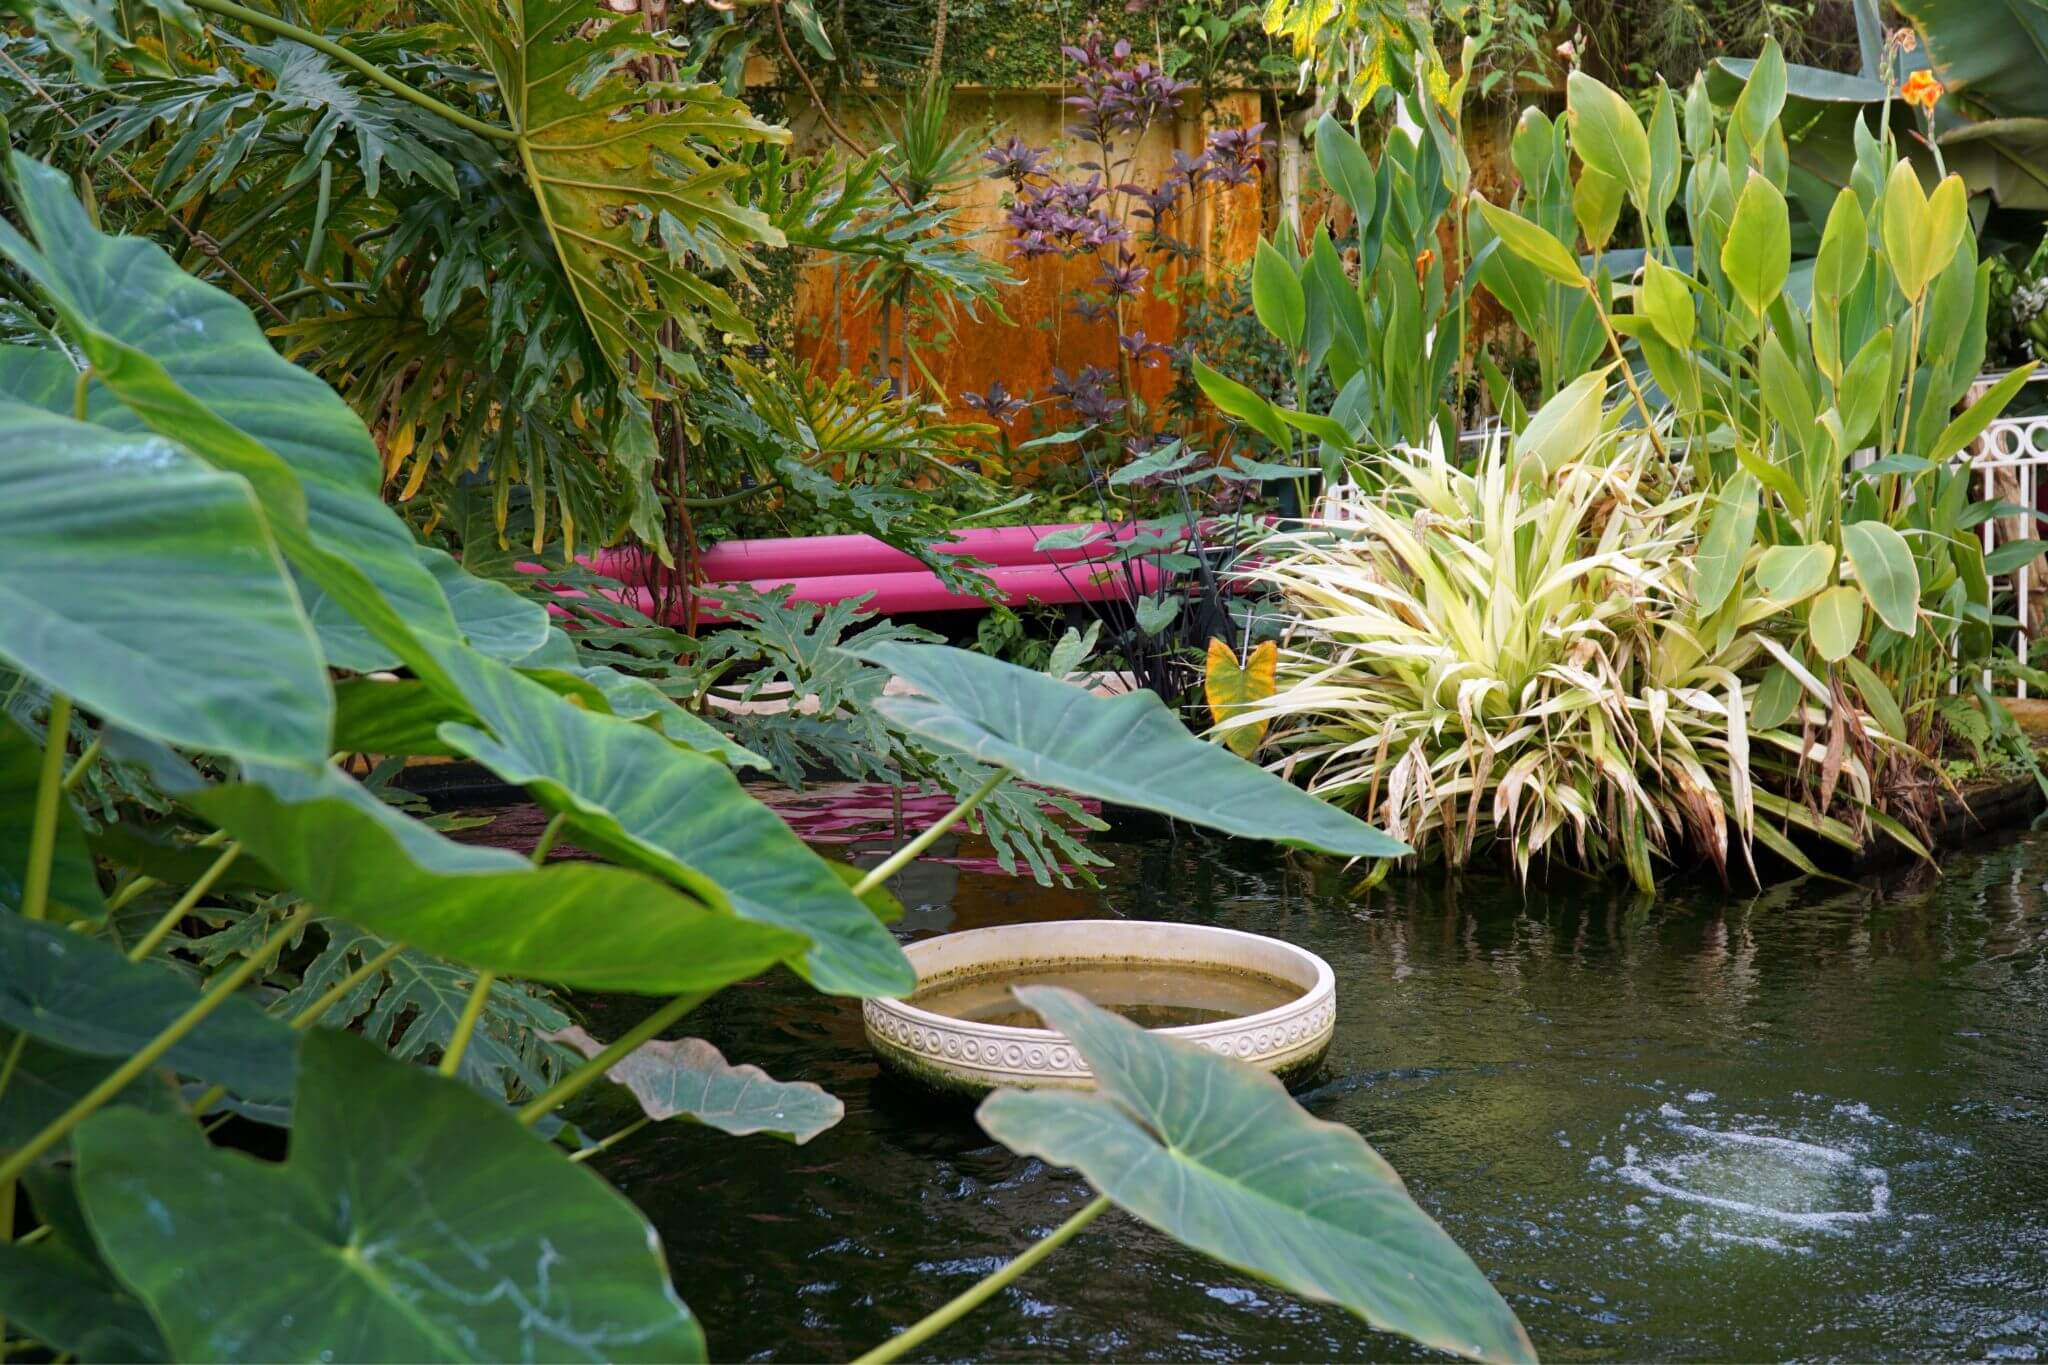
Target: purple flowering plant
(1092,205)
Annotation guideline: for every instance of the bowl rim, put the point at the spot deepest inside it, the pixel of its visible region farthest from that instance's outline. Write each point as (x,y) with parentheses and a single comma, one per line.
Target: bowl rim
(1325,984)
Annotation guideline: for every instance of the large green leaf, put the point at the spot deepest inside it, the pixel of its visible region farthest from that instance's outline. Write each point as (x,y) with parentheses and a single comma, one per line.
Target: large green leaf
(82,994)
(1886,572)
(689,1078)
(48,1080)
(1129,750)
(70,1304)
(1835,623)
(1988,53)
(74,887)
(1212,1152)
(463,1237)
(144,585)
(1725,547)
(575,923)
(631,795)
(635,178)
(1277,296)
(1607,135)
(1532,243)
(1758,253)
(172,354)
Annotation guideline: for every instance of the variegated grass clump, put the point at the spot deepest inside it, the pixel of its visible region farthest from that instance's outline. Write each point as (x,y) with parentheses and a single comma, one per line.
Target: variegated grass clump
(1512,656)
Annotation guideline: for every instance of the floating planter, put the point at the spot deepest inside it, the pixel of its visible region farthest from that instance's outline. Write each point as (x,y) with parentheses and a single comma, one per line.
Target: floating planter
(1242,995)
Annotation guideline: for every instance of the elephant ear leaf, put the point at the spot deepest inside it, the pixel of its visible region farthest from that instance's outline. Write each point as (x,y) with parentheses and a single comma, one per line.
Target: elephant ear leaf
(1129,750)
(117,554)
(1230,687)
(418,1255)
(1213,1152)
(635,179)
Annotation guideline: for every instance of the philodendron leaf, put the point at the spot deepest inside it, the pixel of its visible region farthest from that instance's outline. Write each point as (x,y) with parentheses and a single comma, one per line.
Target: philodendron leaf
(174,355)
(1213,1153)
(83,995)
(634,797)
(689,1078)
(1885,570)
(634,177)
(1129,749)
(74,886)
(465,1238)
(573,923)
(144,585)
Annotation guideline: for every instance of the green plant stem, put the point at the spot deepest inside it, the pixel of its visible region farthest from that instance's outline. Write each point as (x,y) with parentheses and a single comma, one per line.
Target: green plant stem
(141,884)
(480,992)
(84,764)
(931,1325)
(465,1027)
(1628,375)
(42,838)
(121,1076)
(270,23)
(612,1141)
(169,919)
(580,1079)
(903,856)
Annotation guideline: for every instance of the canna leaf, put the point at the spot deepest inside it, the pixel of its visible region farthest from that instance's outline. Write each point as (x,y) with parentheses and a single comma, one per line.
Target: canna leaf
(1836,623)
(1277,296)
(1885,571)
(1531,243)
(1792,573)
(1607,135)
(1725,547)
(1757,256)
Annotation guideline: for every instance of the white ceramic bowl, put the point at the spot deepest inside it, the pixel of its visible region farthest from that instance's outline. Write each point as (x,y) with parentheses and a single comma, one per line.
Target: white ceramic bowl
(959,1055)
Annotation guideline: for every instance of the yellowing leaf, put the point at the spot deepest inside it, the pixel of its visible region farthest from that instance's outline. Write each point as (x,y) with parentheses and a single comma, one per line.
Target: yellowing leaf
(1230,687)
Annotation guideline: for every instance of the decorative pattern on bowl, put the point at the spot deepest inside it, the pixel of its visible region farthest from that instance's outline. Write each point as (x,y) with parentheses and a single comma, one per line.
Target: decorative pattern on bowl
(963,1055)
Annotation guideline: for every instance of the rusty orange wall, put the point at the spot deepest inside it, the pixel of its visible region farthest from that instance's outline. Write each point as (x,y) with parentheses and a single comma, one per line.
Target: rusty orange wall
(1042,331)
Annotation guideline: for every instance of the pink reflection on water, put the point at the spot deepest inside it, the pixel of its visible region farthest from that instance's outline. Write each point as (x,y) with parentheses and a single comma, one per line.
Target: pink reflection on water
(868,814)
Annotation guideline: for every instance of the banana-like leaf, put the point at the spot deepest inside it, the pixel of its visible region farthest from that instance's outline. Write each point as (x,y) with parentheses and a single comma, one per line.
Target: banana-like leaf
(83,995)
(467,1238)
(635,178)
(144,585)
(634,797)
(689,1078)
(1129,750)
(173,355)
(1213,1153)
(573,923)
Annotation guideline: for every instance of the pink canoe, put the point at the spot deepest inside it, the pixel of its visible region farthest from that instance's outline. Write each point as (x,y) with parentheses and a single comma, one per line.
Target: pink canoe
(828,569)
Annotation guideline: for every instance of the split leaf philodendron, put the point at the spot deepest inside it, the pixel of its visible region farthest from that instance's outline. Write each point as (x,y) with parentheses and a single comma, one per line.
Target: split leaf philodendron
(385,1232)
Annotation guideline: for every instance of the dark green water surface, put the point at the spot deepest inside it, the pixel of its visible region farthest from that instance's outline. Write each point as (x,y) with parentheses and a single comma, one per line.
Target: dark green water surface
(1808,1125)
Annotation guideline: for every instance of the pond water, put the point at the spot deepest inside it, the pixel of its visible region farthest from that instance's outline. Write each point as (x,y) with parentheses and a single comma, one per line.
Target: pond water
(1809,1124)
(1152,995)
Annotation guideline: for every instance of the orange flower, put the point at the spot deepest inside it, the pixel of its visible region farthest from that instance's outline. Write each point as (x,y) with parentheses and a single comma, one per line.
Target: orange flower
(1422,265)
(1923,90)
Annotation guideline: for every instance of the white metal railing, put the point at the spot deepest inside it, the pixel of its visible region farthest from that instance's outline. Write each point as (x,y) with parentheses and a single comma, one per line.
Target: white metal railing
(2009,457)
